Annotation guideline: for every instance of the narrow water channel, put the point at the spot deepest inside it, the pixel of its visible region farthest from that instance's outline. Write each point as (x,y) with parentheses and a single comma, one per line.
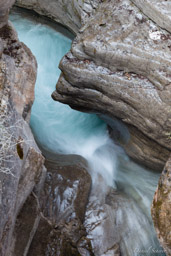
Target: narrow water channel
(59,129)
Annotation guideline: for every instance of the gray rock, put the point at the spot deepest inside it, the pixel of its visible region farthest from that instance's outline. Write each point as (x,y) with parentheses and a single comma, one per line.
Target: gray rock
(112,219)
(101,218)
(157,10)
(21,169)
(119,66)
(21,162)
(17,57)
(64,199)
(115,70)
(26,224)
(5,6)
(70,13)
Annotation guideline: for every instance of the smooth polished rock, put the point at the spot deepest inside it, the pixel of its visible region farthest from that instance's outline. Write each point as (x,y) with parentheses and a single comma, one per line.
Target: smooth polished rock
(21,162)
(70,13)
(21,168)
(120,66)
(63,205)
(116,70)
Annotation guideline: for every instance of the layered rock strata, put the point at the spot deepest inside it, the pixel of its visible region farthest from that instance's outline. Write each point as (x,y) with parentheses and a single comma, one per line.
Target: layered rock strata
(116,70)
(157,10)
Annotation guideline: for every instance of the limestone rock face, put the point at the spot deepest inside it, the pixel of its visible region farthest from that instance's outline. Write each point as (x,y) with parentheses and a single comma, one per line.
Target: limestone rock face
(119,65)
(161,208)
(157,10)
(71,13)
(21,162)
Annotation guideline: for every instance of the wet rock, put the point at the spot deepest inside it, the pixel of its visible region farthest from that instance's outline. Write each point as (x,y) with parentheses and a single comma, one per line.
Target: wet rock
(118,224)
(69,13)
(115,70)
(161,208)
(100,220)
(63,205)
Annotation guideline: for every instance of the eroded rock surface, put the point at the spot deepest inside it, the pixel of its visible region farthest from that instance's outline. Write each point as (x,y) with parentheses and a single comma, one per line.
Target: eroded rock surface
(21,162)
(71,13)
(101,219)
(116,70)
(118,224)
(157,10)
(18,58)
(21,169)
(61,231)
(161,208)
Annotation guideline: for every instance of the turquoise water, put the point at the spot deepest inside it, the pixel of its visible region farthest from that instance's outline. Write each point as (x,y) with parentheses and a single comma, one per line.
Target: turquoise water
(56,126)
(49,47)
(60,129)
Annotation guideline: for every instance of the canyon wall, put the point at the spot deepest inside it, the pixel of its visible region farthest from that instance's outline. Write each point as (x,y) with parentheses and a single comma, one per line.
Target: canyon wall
(72,13)
(26,190)
(116,70)
(118,67)
(21,162)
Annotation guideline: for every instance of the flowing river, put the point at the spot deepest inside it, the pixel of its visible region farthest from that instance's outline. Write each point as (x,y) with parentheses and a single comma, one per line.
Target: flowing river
(58,128)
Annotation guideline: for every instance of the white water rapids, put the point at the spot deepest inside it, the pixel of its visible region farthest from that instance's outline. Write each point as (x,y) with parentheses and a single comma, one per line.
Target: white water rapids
(60,129)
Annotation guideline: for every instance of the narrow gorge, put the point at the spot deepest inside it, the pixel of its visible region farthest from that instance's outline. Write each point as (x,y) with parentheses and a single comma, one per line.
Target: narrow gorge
(89,185)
